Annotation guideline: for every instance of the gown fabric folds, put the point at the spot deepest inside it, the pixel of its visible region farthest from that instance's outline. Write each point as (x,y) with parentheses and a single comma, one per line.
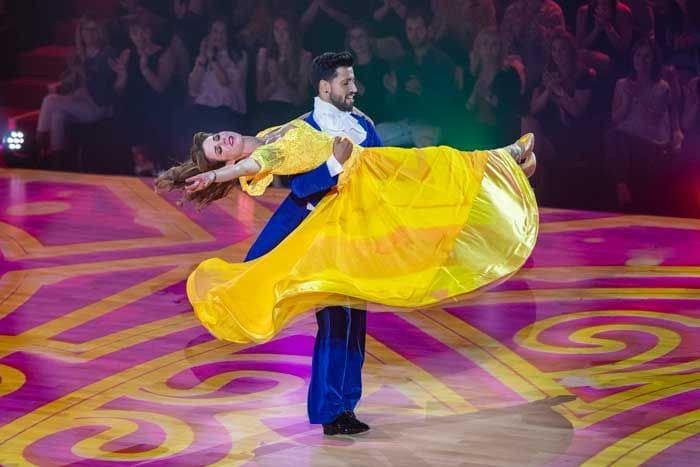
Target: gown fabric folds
(405,228)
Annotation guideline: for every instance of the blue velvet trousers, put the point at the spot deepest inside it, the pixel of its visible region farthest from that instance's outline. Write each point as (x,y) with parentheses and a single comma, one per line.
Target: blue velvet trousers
(336,368)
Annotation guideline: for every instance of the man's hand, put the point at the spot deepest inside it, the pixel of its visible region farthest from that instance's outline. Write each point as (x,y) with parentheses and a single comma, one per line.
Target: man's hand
(342,148)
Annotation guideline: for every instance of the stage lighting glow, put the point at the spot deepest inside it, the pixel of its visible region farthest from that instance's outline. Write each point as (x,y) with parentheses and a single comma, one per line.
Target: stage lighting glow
(14,140)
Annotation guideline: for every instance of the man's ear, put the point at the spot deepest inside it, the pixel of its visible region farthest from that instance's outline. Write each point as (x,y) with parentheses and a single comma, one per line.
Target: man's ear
(324,87)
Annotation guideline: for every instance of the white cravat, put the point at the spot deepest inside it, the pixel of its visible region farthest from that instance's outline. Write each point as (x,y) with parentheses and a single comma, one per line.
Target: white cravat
(336,122)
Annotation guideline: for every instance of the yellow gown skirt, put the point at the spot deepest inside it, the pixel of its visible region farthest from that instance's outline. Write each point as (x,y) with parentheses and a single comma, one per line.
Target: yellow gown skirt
(406,228)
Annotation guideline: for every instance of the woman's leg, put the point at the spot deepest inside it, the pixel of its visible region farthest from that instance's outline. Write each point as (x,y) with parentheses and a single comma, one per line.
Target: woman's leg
(57,110)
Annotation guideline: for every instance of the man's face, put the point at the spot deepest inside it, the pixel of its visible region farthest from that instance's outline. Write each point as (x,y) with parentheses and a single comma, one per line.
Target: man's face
(416,32)
(341,89)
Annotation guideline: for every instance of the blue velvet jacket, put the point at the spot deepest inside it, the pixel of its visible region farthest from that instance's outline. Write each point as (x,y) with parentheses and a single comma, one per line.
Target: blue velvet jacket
(306,188)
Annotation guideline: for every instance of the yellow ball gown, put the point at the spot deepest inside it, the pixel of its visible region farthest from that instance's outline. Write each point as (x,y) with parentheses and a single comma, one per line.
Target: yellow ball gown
(405,228)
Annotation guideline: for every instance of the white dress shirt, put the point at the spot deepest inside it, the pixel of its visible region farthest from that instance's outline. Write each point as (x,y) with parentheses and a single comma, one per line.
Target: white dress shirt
(336,122)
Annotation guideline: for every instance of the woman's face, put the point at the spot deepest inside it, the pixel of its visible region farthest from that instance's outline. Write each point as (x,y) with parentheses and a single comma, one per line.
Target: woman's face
(90,34)
(218,35)
(642,60)
(603,8)
(140,36)
(223,146)
(280,31)
(358,40)
(490,48)
(560,54)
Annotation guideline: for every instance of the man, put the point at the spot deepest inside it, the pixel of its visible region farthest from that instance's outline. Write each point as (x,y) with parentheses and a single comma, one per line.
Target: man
(336,381)
(422,88)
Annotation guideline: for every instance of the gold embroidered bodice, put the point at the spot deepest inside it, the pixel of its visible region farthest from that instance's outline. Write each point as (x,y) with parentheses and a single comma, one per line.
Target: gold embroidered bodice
(300,149)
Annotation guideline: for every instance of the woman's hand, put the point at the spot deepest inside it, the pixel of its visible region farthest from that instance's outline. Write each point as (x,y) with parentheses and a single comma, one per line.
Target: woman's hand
(200,181)
(342,148)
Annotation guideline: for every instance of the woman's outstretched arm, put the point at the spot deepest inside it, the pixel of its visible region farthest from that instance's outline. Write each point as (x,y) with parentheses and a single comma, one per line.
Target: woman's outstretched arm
(247,166)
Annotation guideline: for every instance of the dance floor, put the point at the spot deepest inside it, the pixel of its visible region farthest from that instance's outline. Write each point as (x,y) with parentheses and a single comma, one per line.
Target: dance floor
(588,356)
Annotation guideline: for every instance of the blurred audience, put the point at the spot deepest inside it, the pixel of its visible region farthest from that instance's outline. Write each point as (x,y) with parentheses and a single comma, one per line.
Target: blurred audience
(282,76)
(527,27)
(422,89)
(217,83)
(493,94)
(639,145)
(85,92)
(370,74)
(144,77)
(561,106)
(604,29)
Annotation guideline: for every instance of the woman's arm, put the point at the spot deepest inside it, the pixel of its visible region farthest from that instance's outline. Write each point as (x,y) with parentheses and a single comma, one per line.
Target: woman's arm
(620,39)
(690,110)
(302,89)
(310,14)
(576,105)
(222,69)
(196,76)
(621,102)
(540,98)
(264,84)
(159,81)
(585,39)
(227,173)
(337,15)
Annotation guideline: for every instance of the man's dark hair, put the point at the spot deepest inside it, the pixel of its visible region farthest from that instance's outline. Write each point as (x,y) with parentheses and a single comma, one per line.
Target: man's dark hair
(325,66)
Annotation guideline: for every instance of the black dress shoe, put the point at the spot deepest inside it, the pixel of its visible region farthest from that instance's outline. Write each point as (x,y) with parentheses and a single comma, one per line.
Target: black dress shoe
(345,424)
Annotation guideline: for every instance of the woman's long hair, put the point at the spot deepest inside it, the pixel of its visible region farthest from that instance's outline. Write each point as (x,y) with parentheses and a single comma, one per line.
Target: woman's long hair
(657,64)
(569,42)
(103,41)
(233,45)
(476,65)
(289,68)
(175,177)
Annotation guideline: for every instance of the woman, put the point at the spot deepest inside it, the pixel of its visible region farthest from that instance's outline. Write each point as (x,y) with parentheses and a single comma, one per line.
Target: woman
(85,92)
(494,90)
(405,228)
(370,72)
(645,123)
(144,79)
(561,104)
(218,81)
(605,27)
(282,81)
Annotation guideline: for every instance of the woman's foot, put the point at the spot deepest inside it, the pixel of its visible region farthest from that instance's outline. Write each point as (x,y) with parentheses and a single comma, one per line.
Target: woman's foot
(522,152)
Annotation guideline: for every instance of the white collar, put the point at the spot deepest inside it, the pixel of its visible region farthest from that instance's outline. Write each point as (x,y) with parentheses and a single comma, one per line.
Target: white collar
(336,122)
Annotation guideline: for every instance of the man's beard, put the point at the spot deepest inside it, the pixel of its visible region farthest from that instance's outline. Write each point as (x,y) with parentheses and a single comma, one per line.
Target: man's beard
(339,102)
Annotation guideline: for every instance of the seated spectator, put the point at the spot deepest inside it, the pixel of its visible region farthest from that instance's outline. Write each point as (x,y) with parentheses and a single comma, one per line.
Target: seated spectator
(217,83)
(527,27)
(282,76)
(86,91)
(561,106)
(643,115)
(493,94)
(370,72)
(605,28)
(422,89)
(387,19)
(144,85)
